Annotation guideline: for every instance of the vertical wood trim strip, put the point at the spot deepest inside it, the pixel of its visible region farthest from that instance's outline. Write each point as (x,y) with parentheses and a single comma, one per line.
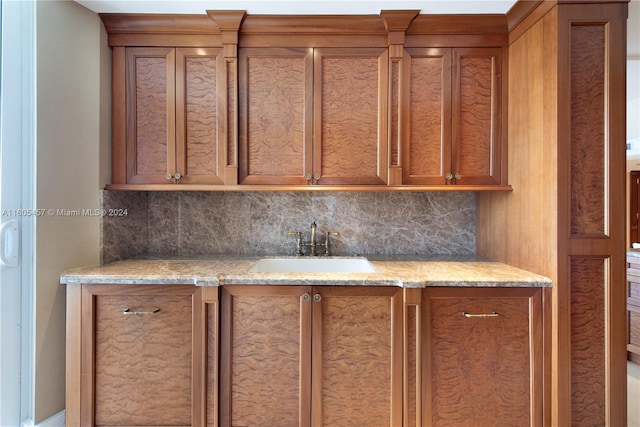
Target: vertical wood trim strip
(397,313)
(412,351)
(316,361)
(226,301)
(305,360)
(87,362)
(118,117)
(73,397)
(199,361)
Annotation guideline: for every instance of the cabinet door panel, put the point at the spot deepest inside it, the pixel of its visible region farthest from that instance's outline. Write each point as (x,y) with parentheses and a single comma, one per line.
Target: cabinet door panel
(357,349)
(350,117)
(477,94)
(265,333)
(199,80)
(143,362)
(150,79)
(427,117)
(479,369)
(275,115)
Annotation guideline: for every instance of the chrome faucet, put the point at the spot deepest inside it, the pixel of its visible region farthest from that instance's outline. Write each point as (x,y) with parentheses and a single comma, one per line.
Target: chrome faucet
(312,243)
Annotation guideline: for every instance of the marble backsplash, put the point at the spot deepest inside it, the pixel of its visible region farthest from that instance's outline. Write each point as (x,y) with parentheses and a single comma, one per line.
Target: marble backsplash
(196,223)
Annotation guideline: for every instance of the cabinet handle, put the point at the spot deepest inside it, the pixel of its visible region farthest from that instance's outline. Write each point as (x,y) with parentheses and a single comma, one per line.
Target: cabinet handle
(448,176)
(316,176)
(178,175)
(139,313)
(471,315)
(168,176)
(458,175)
(308,177)
(306,296)
(317,297)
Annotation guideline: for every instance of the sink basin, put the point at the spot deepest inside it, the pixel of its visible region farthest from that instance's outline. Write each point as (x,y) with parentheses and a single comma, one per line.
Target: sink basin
(312,265)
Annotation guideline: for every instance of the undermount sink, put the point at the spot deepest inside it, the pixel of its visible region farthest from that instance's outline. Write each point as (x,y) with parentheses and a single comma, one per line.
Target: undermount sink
(312,265)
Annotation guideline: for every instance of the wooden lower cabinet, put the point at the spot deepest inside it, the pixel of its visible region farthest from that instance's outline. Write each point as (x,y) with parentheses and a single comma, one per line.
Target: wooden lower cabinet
(481,357)
(311,356)
(136,355)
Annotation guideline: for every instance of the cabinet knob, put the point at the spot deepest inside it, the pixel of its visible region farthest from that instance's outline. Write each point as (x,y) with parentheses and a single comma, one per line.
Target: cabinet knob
(448,176)
(306,296)
(458,175)
(316,176)
(317,297)
(168,176)
(178,175)
(308,177)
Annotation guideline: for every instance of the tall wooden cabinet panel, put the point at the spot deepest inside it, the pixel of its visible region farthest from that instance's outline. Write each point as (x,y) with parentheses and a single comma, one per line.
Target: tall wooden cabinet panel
(313,116)
(172,115)
(139,358)
(427,137)
(350,115)
(265,359)
(482,353)
(477,122)
(452,116)
(150,95)
(276,113)
(356,359)
(311,356)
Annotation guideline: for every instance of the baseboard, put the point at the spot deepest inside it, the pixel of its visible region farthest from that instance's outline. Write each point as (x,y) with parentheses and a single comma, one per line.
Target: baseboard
(57,420)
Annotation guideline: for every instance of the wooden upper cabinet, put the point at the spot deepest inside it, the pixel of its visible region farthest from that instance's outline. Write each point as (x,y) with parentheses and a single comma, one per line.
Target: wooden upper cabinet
(452,116)
(313,116)
(173,115)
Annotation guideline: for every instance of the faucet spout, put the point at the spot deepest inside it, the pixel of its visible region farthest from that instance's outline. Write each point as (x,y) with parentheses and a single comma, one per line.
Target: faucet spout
(313,239)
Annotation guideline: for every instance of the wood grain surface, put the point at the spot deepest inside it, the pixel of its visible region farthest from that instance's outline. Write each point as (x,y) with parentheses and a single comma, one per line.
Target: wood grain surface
(475,113)
(201,116)
(350,90)
(151,115)
(480,367)
(355,360)
(588,353)
(266,360)
(429,139)
(588,144)
(143,362)
(275,98)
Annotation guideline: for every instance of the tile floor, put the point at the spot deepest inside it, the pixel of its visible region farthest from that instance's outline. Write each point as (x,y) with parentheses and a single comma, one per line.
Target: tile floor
(633,395)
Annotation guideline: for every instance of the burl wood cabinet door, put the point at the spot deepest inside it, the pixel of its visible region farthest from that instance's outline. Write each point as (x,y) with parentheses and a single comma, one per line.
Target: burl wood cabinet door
(476,115)
(482,357)
(357,357)
(427,119)
(150,115)
(174,126)
(265,356)
(138,355)
(200,98)
(276,112)
(350,115)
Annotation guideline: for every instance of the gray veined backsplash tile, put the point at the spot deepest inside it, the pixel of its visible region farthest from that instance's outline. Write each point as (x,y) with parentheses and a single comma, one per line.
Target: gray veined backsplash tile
(195,223)
(125,230)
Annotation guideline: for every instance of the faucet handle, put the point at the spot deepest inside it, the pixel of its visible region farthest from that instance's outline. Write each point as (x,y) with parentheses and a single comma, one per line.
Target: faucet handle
(298,235)
(327,245)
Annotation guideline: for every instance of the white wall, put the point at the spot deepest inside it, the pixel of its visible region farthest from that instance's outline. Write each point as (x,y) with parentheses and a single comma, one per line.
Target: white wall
(69,143)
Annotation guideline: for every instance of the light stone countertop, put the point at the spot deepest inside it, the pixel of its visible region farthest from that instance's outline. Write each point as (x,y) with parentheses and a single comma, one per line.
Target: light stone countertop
(217,270)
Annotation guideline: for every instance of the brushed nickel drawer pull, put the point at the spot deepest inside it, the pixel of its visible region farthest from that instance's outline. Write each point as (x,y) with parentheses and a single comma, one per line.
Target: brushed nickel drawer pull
(472,315)
(139,313)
